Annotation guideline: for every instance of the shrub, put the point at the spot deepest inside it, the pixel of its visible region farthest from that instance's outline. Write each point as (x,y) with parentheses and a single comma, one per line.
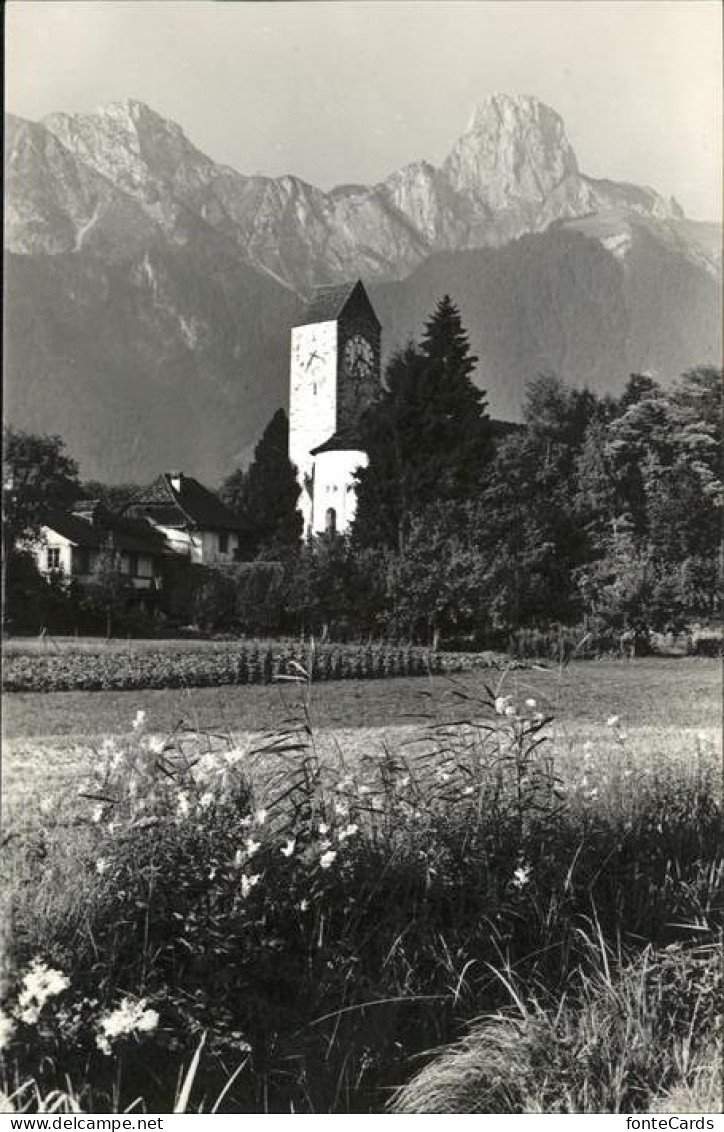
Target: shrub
(255,663)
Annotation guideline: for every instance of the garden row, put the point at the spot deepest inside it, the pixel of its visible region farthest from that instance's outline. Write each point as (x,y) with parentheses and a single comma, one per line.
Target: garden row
(247,664)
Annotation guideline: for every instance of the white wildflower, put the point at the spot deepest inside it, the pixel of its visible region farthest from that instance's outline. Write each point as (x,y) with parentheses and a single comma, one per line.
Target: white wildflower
(344,784)
(46,805)
(532,704)
(469,790)
(341,810)
(206,800)
(128,1018)
(260,817)
(288,849)
(303,905)
(183,806)
(402,783)
(101,866)
(325,843)
(252,846)
(248,882)
(521,876)
(323,828)
(39,984)
(97,813)
(239,857)
(327,859)
(246,822)
(7,1029)
(156,745)
(502,703)
(511,710)
(139,720)
(363,789)
(348,831)
(613,721)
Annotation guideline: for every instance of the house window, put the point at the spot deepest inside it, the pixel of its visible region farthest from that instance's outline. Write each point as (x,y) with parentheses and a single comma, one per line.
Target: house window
(133,565)
(223,544)
(330,522)
(54,558)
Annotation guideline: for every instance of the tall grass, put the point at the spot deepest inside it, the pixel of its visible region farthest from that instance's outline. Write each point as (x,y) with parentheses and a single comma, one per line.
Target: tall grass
(300,931)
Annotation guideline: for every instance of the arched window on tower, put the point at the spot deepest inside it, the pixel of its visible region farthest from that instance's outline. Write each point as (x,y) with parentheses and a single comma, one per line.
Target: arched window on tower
(330,521)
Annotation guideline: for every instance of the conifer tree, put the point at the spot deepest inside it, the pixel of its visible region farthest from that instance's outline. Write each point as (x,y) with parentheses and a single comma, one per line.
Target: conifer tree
(446,342)
(265,495)
(427,437)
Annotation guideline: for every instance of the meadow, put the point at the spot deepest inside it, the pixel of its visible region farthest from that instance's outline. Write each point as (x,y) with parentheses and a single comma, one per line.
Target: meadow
(455,894)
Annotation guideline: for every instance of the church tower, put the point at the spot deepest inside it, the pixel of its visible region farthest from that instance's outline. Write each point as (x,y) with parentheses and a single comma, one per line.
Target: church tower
(335,375)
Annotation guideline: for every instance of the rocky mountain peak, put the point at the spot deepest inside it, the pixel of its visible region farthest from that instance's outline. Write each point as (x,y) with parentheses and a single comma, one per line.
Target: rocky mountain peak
(514,147)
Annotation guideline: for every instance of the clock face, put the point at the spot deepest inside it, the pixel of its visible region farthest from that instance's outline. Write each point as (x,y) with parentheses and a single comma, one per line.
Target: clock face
(359,358)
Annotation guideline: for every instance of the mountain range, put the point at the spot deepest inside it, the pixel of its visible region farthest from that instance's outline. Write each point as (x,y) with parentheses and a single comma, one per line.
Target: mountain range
(150,290)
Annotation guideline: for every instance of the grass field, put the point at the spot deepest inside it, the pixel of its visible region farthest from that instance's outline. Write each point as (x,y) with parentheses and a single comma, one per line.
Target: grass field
(653,692)
(358,894)
(670,710)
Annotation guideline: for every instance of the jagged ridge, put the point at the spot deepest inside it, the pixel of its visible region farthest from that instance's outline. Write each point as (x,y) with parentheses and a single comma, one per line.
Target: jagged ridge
(125,173)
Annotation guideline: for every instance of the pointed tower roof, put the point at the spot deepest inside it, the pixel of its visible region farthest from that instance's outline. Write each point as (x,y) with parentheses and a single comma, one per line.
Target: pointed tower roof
(330,302)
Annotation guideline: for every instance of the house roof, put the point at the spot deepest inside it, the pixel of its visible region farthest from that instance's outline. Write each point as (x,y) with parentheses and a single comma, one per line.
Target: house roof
(328,303)
(126,534)
(78,531)
(193,505)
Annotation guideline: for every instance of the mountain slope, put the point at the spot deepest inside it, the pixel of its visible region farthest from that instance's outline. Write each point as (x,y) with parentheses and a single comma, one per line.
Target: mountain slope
(512,171)
(559,302)
(150,291)
(170,357)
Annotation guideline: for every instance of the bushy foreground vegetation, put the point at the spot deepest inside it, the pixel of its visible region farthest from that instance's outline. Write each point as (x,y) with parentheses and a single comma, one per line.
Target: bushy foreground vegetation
(261,930)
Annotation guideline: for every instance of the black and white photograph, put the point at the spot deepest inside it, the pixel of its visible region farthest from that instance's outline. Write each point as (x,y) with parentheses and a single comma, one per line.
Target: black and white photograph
(361,565)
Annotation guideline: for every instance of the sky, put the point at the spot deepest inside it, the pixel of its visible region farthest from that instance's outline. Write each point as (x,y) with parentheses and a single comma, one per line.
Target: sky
(348,90)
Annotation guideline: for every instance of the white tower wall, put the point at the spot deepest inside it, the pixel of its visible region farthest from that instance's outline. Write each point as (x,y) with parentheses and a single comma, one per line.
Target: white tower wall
(312,400)
(334,489)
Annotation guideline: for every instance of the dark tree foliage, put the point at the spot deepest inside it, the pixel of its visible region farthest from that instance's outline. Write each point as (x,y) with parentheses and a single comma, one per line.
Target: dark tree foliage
(115,495)
(446,342)
(265,496)
(37,475)
(426,437)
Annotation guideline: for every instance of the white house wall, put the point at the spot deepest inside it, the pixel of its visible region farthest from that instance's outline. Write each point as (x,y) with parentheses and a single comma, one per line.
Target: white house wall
(50,539)
(210,547)
(200,546)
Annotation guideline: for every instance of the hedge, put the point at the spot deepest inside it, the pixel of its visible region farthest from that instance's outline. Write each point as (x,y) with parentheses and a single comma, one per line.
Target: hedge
(247,664)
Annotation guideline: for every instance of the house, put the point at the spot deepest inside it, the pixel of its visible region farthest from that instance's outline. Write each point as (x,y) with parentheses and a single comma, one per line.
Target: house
(74,544)
(193,520)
